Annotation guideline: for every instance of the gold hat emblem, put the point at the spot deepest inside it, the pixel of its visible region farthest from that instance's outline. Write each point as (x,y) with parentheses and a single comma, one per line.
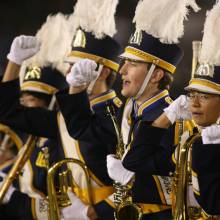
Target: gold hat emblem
(205,70)
(79,40)
(136,38)
(33,73)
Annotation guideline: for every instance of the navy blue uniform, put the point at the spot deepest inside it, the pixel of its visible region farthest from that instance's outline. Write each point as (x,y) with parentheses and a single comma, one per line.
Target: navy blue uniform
(95,133)
(81,125)
(206,176)
(20,205)
(148,155)
(44,123)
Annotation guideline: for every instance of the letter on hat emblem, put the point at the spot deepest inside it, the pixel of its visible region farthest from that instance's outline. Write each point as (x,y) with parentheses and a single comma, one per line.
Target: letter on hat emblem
(79,40)
(33,73)
(136,38)
(205,70)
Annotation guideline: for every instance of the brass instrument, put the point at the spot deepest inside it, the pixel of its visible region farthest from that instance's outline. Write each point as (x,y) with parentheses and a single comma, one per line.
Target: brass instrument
(182,174)
(9,140)
(4,143)
(182,179)
(125,209)
(61,199)
(22,157)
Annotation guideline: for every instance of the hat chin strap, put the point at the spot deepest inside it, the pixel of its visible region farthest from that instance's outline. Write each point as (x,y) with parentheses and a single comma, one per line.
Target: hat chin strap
(52,102)
(146,80)
(92,83)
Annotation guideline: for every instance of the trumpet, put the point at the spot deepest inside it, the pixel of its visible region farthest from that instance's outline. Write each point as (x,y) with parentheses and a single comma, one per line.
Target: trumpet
(125,209)
(22,158)
(60,198)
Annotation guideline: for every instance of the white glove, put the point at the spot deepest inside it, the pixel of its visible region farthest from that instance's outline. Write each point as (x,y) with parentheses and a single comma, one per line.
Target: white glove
(178,109)
(211,134)
(116,170)
(82,73)
(77,211)
(22,48)
(10,191)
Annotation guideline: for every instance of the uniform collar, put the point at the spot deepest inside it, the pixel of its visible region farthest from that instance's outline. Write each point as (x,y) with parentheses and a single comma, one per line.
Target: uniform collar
(106,97)
(150,103)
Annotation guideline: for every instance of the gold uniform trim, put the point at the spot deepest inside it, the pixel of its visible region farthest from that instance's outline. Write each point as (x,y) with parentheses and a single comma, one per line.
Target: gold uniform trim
(206,83)
(41,87)
(153,208)
(33,208)
(96,58)
(151,101)
(98,182)
(98,194)
(151,59)
(160,191)
(103,98)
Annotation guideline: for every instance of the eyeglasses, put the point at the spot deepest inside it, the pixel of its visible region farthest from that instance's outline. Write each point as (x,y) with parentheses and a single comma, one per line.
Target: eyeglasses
(202,97)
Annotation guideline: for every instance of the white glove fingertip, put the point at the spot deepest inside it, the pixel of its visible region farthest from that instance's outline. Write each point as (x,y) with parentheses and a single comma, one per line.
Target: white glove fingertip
(93,65)
(30,42)
(109,156)
(20,40)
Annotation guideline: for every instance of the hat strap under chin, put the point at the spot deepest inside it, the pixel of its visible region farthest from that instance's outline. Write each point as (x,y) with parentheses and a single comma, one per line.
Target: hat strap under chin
(146,80)
(52,102)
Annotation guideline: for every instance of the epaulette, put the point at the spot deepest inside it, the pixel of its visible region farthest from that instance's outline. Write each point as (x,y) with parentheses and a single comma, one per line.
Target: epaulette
(104,99)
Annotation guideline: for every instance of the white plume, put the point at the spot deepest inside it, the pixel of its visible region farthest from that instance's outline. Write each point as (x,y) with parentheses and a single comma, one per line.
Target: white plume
(163,19)
(96,16)
(55,41)
(210,51)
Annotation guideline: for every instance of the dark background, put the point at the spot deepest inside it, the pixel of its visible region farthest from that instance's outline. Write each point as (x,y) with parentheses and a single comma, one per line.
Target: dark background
(26,17)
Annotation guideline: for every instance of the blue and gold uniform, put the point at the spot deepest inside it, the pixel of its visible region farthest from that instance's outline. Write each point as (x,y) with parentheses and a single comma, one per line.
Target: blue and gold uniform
(89,124)
(206,184)
(152,183)
(150,191)
(205,157)
(27,119)
(95,141)
(29,199)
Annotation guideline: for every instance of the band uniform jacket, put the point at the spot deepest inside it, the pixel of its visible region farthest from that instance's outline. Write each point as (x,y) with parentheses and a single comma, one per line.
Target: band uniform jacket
(206,176)
(148,111)
(44,123)
(90,124)
(32,180)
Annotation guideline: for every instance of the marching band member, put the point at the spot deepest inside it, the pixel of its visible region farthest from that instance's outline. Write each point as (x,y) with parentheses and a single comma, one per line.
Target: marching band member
(37,88)
(84,109)
(52,125)
(150,59)
(202,104)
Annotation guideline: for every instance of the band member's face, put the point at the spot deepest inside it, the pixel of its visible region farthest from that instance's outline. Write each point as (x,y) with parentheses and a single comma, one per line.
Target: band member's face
(133,75)
(28,100)
(205,108)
